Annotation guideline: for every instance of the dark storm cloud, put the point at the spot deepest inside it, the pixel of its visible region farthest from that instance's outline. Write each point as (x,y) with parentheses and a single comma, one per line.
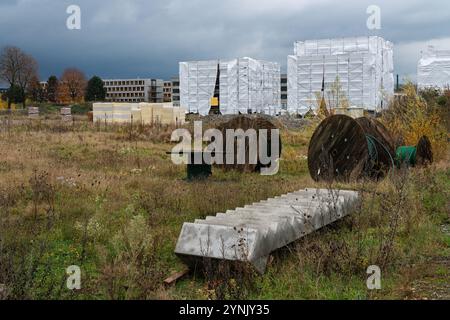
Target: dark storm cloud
(148,38)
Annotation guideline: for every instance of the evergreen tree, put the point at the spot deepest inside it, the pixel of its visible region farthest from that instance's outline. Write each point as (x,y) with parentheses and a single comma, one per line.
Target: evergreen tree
(95,90)
(14,94)
(52,88)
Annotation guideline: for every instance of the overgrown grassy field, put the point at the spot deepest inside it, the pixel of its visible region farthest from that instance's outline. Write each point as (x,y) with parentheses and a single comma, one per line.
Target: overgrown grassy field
(109,200)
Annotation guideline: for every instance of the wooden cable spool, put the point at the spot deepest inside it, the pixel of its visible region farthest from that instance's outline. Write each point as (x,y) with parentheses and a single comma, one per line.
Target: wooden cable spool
(383,142)
(419,155)
(246,122)
(345,149)
(424,153)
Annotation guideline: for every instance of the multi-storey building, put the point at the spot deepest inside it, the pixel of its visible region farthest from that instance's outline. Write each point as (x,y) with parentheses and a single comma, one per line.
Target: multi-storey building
(176,91)
(434,69)
(283,90)
(362,67)
(156,94)
(44,85)
(167,91)
(233,86)
(134,90)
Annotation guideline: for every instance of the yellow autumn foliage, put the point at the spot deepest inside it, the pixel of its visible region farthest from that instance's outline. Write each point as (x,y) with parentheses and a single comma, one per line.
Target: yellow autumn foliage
(409,118)
(4,105)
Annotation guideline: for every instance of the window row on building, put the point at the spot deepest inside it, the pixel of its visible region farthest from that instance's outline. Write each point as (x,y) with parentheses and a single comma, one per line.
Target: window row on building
(128,94)
(121,89)
(135,82)
(157,91)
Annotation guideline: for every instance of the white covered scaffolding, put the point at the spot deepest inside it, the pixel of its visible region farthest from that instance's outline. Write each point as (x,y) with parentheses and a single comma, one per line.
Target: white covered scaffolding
(246,85)
(363,65)
(434,69)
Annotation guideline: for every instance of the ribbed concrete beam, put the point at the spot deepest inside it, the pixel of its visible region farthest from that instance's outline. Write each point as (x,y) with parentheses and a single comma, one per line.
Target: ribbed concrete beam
(251,233)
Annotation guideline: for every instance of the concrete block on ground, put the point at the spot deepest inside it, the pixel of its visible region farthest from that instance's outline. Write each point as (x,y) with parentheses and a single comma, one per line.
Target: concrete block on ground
(33,112)
(251,233)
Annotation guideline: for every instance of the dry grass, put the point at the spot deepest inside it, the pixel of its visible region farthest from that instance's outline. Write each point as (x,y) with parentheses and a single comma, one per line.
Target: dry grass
(110,200)
(87,194)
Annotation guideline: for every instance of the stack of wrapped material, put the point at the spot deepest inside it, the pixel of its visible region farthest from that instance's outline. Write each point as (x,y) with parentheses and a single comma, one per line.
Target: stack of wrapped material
(145,113)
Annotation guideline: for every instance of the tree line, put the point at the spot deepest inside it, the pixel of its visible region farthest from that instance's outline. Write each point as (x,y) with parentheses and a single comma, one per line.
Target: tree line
(20,71)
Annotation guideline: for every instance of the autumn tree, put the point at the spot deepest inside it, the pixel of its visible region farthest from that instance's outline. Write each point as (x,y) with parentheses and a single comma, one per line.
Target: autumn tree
(72,86)
(411,117)
(18,69)
(95,89)
(9,67)
(331,98)
(36,91)
(337,97)
(52,89)
(27,73)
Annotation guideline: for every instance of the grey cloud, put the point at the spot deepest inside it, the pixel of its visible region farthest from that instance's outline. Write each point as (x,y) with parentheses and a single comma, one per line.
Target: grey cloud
(148,38)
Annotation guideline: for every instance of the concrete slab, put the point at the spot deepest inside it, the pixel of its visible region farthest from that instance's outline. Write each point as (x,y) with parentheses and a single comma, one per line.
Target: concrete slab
(252,232)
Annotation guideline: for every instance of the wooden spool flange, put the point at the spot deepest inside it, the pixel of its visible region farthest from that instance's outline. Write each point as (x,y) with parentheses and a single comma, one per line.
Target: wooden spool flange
(345,149)
(338,150)
(246,122)
(384,144)
(424,155)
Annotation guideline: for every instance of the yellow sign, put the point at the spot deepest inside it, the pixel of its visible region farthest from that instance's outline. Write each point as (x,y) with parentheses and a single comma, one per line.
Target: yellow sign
(214,102)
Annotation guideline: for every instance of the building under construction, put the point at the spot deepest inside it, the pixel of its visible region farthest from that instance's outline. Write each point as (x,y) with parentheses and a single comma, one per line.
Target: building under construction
(237,86)
(359,70)
(434,69)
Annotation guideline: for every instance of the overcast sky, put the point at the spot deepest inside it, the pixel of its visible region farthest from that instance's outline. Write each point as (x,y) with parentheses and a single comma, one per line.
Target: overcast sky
(147,38)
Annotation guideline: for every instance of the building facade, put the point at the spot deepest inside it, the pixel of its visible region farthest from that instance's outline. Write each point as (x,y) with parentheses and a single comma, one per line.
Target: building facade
(44,85)
(283,90)
(134,90)
(156,93)
(167,91)
(434,69)
(236,86)
(348,72)
(175,91)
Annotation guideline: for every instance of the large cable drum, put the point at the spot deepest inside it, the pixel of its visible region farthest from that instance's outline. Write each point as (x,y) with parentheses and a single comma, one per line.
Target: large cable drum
(345,149)
(245,123)
(381,147)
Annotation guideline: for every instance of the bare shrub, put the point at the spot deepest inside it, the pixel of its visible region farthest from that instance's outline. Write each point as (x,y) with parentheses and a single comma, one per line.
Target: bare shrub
(42,192)
(23,241)
(228,280)
(130,268)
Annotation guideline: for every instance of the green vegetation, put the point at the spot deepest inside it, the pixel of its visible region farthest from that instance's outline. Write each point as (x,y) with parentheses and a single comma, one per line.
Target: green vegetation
(112,202)
(108,199)
(95,90)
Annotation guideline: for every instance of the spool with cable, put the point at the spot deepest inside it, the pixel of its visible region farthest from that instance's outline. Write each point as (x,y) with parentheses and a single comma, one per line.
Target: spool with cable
(410,156)
(245,123)
(346,149)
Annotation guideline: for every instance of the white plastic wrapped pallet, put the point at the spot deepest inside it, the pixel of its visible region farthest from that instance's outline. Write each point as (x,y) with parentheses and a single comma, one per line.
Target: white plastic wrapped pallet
(364,66)
(434,69)
(103,112)
(246,85)
(122,112)
(145,113)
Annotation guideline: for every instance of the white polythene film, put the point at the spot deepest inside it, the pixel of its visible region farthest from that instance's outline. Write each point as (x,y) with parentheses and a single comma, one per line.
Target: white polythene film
(434,69)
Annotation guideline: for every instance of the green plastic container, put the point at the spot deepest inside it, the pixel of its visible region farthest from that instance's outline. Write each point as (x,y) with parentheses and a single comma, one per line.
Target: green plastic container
(406,155)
